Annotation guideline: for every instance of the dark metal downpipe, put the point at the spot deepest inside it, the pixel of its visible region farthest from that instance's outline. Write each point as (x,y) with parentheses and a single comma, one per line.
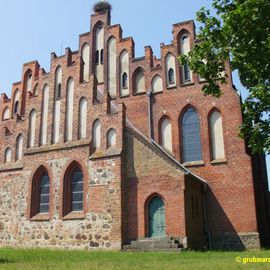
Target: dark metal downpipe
(150,114)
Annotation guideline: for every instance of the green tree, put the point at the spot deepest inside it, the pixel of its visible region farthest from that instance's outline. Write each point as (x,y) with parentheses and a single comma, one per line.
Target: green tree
(237,32)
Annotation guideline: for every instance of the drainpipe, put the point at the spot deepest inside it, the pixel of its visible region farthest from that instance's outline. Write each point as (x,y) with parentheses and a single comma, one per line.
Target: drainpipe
(150,114)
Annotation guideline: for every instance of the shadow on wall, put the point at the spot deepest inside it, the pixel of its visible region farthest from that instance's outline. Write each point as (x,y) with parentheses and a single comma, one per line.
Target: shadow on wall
(262,198)
(131,206)
(222,233)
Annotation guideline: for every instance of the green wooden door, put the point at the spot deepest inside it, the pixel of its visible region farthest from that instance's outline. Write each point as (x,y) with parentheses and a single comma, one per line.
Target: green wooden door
(157,225)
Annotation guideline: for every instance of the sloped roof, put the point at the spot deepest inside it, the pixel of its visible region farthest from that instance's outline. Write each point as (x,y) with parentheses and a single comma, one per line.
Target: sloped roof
(161,151)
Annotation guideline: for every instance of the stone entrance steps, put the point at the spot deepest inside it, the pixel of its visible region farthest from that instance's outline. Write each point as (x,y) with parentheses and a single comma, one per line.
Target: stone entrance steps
(168,244)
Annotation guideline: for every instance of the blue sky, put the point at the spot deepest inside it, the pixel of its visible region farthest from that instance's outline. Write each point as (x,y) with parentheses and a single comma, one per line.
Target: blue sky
(31,29)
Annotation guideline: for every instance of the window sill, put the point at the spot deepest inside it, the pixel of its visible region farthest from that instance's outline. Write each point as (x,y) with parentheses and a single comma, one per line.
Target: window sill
(202,81)
(84,82)
(218,161)
(11,166)
(124,96)
(193,163)
(156,93)
(171,87)
(58,146)
(41,217)
(110,152)
(74,215)
(139,93)
(187,84)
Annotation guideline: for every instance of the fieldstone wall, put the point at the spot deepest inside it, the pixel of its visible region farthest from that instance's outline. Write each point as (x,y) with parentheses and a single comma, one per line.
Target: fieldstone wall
(100,229)
(235,241)
(102,176)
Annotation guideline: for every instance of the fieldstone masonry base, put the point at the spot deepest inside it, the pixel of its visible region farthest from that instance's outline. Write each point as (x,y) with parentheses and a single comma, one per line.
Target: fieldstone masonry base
(233,241)
(92,232)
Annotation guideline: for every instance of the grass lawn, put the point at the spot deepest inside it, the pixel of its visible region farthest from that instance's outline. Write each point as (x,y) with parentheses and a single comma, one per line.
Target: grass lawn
(49,259)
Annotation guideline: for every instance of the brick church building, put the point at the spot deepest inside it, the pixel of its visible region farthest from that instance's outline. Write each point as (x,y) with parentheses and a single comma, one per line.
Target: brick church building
(111,151)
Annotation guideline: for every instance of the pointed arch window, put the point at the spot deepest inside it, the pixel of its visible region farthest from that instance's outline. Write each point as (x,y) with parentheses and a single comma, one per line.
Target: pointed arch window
(124,80)
(185,48)
(16,106)
(44,193)
(77,190)
(191,136)
(101,56)
(170,70)
(124,73)
(186,73)
(58,82)
(171,76)
(73,190)
(16,102)
(97,57)
(40,196)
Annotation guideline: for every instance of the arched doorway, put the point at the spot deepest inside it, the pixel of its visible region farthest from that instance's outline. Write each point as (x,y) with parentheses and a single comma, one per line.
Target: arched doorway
(156,216)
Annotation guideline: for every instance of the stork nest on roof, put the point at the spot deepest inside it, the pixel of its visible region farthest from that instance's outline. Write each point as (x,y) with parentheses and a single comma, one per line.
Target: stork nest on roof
(102,6)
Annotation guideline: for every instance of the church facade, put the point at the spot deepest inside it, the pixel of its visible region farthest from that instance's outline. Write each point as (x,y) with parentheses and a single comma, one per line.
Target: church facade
(107,148)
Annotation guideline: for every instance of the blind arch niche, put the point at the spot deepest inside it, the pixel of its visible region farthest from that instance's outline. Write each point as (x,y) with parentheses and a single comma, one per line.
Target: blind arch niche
(216,131)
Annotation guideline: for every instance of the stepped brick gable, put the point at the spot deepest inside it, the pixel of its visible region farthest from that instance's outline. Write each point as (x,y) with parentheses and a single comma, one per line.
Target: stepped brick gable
(109,151)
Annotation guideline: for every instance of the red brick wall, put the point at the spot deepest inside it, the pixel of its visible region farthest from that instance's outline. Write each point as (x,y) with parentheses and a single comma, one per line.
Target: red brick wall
(231,190)
(147,175)
(194,214)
